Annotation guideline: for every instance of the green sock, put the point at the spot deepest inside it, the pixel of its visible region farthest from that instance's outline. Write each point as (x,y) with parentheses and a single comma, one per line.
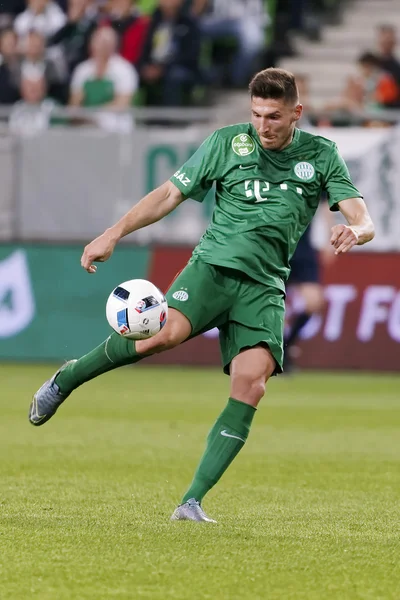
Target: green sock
(225,440)
(115,351)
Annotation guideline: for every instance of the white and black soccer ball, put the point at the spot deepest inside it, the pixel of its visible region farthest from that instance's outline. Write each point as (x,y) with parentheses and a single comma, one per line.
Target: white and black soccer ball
(137,309)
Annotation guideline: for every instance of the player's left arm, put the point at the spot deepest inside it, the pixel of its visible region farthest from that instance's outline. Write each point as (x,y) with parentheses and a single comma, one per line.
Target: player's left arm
(360,228)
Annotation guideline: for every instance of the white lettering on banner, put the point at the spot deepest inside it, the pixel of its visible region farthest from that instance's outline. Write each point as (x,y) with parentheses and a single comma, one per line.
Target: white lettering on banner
(311,328)
(17,306)
(212,333)
(394,319)
(379,304)
(374,310)
(338,297)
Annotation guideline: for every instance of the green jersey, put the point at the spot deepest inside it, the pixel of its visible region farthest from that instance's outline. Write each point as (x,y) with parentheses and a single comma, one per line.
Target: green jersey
(264,199)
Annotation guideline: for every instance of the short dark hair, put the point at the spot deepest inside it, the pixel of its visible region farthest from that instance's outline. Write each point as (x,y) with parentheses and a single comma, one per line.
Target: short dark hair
(277,84)
(368,58)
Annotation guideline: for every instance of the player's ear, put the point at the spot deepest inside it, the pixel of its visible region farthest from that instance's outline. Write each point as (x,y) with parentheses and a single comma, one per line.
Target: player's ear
(298,111)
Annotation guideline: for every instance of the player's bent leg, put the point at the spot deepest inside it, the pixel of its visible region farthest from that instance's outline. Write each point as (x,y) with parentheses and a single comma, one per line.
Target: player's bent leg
(176,331)
(116,351)
(250,370)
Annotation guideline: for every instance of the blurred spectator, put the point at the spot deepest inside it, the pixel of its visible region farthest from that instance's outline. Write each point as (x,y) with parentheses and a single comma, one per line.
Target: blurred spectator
(131,28)
(372,88)
(169,63)
(8,11)
(9,68)
(303,85)
(387,41)
(379,88)
(44,16)
(106,80)
(242,20)
(32,114)
(35,56)
(74,37)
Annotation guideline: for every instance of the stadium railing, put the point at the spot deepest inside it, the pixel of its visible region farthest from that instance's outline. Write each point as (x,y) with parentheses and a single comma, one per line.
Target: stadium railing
(211,115)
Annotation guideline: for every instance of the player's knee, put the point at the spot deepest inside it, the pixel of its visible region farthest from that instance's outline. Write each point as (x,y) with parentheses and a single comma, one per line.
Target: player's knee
(172,337)
(248,388)
(257,390)
(165,340)
(174,333)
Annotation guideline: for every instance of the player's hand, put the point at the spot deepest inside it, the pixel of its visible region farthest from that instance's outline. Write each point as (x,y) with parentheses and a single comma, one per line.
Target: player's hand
(343,238)
(99,250)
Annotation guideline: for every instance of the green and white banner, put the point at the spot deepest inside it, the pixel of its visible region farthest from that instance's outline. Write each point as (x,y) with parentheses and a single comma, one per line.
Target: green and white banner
(50,308)
(373,157)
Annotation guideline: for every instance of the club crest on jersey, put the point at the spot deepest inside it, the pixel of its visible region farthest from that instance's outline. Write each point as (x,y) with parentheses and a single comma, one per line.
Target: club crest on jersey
(180,295)
(304,171)
(243,144)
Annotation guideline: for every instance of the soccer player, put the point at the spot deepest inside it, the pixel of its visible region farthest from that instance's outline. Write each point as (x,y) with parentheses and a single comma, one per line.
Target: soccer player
(269,177)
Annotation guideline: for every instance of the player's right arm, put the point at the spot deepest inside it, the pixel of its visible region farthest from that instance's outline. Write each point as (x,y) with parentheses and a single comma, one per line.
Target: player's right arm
(193,180)
(153,207)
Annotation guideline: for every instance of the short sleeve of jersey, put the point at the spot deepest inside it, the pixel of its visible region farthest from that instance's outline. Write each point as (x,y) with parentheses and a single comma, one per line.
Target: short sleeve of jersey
(337,180)
(195,178)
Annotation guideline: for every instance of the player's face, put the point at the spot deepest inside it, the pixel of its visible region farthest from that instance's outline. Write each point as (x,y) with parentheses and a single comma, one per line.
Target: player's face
(274,121)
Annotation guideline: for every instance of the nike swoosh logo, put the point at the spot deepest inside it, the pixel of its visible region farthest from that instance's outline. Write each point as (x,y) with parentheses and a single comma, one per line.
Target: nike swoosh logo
(236,437)
(243,167)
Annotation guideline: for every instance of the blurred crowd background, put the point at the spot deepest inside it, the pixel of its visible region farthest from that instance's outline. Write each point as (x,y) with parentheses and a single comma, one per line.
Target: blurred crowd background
(117,54)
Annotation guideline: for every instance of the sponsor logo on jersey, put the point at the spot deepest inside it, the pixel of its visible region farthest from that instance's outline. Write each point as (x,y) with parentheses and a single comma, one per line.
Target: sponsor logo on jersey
(304,171)
(182,178)
(243,144)
(180,295)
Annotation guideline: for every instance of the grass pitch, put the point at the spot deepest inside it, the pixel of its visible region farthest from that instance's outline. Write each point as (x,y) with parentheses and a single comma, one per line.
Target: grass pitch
(309,510)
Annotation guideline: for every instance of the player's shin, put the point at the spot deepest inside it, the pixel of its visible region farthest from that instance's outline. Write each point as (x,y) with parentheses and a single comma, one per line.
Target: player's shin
(225,440)
(115,351)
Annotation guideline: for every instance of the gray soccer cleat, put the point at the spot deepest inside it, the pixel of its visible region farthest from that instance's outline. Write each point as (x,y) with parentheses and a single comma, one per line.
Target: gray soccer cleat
(47,400)
(191,511)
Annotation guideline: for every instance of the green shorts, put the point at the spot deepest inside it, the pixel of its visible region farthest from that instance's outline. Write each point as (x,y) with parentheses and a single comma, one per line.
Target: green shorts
(246,312)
